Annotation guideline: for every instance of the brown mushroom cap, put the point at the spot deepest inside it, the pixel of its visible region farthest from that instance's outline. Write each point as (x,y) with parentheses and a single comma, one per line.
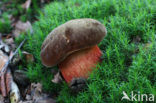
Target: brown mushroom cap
(72,36)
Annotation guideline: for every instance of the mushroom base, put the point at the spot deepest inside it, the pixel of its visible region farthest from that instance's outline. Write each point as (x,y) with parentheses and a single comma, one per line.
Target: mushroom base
(80,63)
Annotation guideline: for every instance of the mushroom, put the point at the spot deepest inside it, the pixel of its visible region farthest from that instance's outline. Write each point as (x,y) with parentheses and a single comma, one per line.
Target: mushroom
(73,47)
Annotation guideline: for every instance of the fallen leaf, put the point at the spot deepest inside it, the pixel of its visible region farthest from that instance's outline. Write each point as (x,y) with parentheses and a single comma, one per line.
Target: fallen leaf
(3,59)
(21,27)
(14,93)
(3,86)
(36,91)
(26,5)
(16,33)
(29,57)
(57,78)
(4,47)
(5,36)
(9,41)
(15,61)
(21,78)
(37,87)
(9,80)
(28,97)
(13,46)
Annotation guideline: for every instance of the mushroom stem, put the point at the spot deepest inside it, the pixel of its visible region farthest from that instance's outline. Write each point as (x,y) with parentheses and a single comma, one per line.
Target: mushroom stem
(80,63)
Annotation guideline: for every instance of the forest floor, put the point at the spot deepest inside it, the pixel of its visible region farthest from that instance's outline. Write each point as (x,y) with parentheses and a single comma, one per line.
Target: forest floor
(129,49)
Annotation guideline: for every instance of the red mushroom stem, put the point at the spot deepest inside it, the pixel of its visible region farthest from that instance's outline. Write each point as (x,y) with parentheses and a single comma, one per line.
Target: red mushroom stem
(80,63)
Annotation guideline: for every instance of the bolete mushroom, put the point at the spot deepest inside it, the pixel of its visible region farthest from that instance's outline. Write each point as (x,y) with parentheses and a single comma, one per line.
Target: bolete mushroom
(73,47)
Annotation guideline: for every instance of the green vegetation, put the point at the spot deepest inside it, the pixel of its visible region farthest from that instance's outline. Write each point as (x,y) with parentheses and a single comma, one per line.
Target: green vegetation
(14,7)
(129,48)
(5,24)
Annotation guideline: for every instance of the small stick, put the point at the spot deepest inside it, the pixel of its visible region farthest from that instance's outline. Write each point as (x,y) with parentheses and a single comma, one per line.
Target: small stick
(4,69)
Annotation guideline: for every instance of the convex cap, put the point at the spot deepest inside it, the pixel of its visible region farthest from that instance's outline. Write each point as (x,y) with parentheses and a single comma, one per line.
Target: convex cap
(72,36)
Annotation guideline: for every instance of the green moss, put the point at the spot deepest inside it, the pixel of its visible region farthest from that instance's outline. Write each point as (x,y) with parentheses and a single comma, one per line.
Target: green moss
(5,24)
(127,66)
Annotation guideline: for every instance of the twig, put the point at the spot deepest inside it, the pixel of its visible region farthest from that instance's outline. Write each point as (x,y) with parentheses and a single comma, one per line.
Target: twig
(4,69)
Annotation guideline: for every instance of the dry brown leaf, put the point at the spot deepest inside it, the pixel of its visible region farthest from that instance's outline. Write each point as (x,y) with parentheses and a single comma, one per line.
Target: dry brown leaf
(16,33)
(13,46)
(3,86)
(4,47)
(26,5)
(29,57)
(21,27)
(37,87)
(14,93)
(57,78)
(6,36)
(3,59)
(9,41)
(28,97)
(9,80)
